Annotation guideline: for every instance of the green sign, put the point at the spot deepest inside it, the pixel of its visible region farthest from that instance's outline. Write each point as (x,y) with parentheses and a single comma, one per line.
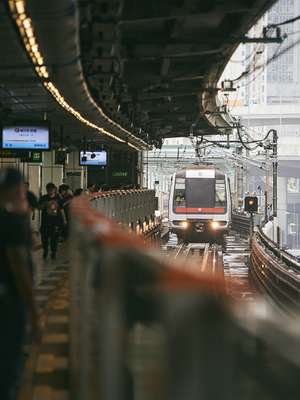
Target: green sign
(35,156)
(120,173)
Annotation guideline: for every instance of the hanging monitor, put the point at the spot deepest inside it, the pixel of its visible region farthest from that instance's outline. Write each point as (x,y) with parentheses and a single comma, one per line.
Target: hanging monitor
(26,137)
(96,158)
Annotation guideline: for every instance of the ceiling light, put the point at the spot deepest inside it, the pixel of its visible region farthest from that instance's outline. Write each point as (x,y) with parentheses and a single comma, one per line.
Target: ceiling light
(29,32)
(20,7)
(18,10)
(27,23)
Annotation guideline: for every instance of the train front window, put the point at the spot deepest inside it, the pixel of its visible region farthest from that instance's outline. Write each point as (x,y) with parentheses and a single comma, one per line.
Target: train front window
(220,193)
(200,195)
(179,193)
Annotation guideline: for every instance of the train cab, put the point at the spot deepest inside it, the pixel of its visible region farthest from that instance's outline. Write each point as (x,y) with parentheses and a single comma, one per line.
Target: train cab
(200,204)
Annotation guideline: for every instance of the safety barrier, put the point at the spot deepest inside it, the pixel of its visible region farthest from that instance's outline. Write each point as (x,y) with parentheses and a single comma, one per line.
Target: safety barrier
(132,208)
(139,325)
(275,271)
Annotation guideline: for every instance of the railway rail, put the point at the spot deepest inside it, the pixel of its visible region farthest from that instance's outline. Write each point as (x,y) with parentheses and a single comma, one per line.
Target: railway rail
(208,256)
(230,262)
(241,223)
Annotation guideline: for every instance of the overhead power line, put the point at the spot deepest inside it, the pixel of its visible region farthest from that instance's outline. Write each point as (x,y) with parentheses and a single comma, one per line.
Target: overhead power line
(287,21)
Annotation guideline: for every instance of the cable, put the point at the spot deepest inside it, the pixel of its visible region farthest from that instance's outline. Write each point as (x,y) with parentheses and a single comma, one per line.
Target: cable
(275,56)
(244,143)
(255,51)
(287,21)
(263,139)
(261,68)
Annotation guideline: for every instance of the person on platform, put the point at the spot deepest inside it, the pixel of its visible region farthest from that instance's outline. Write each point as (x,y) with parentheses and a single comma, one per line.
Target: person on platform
(52,215)
(17,303)
(66,197)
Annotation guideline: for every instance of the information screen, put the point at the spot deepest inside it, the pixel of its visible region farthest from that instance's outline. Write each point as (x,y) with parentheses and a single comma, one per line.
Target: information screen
(97,158)
(26,137)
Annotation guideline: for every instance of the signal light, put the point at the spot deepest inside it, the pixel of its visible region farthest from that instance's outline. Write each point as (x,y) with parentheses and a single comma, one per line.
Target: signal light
(251,204)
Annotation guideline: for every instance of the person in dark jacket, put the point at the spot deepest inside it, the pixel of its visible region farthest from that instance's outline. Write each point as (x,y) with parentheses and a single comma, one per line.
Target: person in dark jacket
(52,215)
(17,302)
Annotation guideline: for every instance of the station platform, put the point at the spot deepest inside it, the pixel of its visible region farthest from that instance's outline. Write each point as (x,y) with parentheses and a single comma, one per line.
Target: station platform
(46,374)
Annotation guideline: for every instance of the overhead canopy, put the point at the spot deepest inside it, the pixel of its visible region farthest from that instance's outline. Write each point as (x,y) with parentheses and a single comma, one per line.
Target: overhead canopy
(141,69)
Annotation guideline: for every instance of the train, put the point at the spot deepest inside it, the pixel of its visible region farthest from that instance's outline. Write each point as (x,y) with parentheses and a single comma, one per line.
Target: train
(200,204)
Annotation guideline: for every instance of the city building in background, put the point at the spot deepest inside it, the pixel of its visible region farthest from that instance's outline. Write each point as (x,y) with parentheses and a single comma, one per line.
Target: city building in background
(268,97)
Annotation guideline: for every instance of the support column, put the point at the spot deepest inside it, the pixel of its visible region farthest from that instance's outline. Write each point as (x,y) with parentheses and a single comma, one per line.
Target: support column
(50,171)
(33,176)
(140,169)
(74,173)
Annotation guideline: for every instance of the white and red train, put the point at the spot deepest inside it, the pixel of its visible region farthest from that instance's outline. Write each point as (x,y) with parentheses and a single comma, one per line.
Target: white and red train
(200,204)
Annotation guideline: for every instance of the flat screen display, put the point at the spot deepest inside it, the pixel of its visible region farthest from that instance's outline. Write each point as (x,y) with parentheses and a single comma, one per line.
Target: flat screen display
(97,158)
(26,137)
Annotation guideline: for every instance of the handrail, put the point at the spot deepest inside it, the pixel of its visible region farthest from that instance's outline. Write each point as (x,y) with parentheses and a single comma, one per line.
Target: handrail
(117,280)
(133,208)
(279,276)
(289,259)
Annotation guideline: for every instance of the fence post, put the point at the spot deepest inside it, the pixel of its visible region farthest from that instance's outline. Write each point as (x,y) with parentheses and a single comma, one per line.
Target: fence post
(278,233)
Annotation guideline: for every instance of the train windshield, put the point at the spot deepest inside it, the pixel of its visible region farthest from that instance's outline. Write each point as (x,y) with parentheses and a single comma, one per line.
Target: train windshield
(179,193)
(220,193)
(200,195)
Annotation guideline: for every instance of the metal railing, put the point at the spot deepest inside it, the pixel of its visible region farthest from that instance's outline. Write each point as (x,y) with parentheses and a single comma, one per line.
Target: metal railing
(132,208)
(275,271)
(142,328)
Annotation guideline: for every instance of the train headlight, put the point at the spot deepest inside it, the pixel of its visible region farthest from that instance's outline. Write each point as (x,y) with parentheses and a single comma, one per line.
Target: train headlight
(184,224)
(215,225)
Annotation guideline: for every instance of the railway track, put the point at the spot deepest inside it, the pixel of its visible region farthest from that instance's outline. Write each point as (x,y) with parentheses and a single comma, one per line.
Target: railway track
(203,257)
(230,262)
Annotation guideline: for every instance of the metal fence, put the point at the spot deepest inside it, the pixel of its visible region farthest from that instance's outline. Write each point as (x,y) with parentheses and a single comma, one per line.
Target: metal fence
(133,208)
(276,272)
(142,328)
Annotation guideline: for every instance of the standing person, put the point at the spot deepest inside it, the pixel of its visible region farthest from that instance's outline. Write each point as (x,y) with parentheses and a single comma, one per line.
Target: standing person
(16,291)
(66,197)
(52,215)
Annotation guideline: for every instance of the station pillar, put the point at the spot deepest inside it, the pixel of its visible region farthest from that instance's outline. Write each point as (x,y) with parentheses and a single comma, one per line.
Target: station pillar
(50,171)
(74,174)
(33,176)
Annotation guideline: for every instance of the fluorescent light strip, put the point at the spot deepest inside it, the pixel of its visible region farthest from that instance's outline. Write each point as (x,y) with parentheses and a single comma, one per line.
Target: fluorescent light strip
(24,23)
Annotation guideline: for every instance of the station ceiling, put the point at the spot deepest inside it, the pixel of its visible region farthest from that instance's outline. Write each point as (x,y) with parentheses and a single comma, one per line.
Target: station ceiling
(141,69)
